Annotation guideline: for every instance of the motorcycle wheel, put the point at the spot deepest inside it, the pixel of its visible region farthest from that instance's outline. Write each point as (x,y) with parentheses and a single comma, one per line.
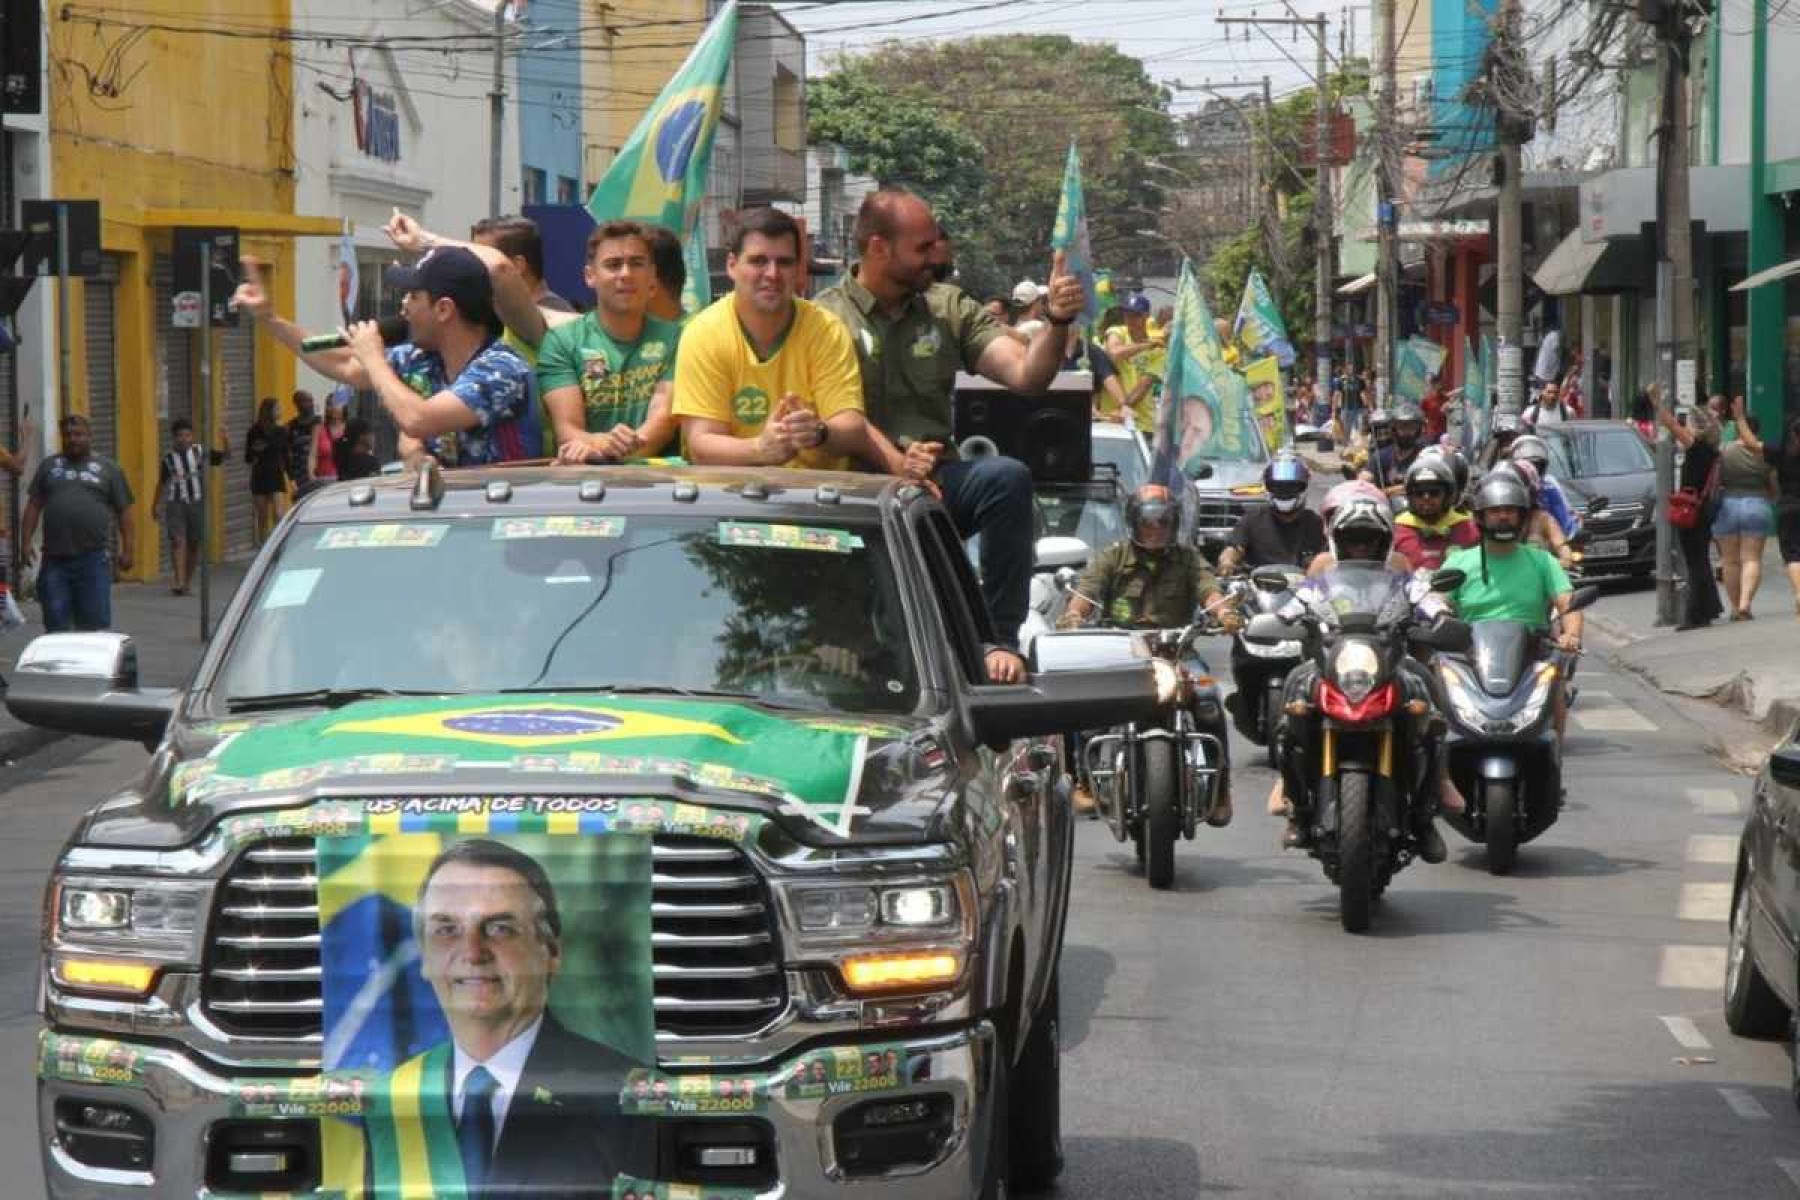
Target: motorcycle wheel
(1271,714)
(1499,799)
(1162,816)
(1356,852)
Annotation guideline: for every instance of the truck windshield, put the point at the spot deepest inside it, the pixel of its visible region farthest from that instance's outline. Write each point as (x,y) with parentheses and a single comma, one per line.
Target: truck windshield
(808,616)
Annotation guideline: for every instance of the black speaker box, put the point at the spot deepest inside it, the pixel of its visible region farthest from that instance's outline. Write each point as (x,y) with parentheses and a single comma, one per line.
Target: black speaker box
(1051,434)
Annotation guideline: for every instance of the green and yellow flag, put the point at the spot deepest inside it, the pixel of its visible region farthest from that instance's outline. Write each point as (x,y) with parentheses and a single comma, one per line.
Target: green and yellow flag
(660,174)
(1071,237)
(1207,411)
(1259,329)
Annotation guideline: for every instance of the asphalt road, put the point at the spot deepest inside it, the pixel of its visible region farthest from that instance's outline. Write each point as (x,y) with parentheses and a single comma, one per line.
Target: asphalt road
(1492,1036)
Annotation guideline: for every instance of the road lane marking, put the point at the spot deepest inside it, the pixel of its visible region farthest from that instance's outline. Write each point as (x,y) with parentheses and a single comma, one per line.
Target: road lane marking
(1612,718)
(1712,848)
(1744,1104)
(1686,1033)
(1715,802)
(1698,967)
(1704,902)
(1791,1168)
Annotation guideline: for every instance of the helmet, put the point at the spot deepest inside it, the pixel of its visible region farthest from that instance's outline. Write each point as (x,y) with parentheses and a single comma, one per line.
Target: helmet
(1504,423)
(1532,449)
(1428,471)
(1137,302)
(1152,504)
(1344,493)
(1452,458)
(1407,413)
(1501,488)
(1359,519)
(1285,479)
(1527,472)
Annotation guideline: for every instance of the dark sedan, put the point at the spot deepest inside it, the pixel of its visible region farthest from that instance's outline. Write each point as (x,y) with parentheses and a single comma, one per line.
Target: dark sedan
(1762,982)
(1607,460)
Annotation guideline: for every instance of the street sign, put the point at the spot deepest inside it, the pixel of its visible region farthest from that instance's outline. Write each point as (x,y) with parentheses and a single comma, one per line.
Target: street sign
(1687,391)
(39,219)
(221,255)
(1510,389)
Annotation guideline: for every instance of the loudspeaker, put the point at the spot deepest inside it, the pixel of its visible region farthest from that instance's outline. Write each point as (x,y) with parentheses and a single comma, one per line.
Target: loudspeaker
(1051,434)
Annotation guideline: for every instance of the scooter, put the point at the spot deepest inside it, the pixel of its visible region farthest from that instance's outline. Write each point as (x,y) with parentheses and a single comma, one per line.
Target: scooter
(1258,671)
(1505,756)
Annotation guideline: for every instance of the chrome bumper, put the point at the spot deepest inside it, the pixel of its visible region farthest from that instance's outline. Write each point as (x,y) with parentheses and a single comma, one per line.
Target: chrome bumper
(184,1099)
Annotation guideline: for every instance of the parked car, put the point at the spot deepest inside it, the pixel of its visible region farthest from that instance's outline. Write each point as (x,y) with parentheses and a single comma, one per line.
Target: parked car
(855,852)
(1762,979)
(1608,461)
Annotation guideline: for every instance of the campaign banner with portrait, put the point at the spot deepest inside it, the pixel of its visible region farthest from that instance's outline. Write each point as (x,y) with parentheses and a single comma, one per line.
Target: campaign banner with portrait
(1206,412)
(487,994)
(1268,400)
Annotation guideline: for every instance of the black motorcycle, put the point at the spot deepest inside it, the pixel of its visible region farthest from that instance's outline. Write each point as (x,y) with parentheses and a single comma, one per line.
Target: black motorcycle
(1258,671)
(1359,739)
(1154,784)
(1500,704)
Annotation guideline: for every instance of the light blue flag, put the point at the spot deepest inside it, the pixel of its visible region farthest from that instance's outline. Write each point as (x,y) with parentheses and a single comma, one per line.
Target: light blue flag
(1071,237)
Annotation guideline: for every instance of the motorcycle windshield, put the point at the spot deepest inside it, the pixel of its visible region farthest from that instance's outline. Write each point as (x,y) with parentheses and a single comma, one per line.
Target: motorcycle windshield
(1501,650)
(1365,595)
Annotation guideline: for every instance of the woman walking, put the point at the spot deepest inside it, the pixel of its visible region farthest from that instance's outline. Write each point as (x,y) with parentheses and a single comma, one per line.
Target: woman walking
(266,450)
(1744,520)
(1783,455)
(1700,443)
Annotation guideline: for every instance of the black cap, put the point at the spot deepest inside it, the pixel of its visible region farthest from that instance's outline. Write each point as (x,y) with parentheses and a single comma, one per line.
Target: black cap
(454,272)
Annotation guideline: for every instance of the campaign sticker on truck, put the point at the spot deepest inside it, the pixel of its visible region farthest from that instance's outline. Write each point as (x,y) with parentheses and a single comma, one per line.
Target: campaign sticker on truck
(381,537)
(292,588)
(518,529)
(788,537)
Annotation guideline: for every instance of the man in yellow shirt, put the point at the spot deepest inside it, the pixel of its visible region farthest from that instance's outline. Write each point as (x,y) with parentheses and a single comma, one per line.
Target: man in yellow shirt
(1139,349)
(765,378)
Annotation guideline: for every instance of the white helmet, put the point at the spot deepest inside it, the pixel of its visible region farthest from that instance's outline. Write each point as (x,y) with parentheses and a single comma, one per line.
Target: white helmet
(1366,516)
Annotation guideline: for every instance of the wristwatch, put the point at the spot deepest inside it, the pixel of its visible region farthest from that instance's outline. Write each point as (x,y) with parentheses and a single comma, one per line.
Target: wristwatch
(821,435)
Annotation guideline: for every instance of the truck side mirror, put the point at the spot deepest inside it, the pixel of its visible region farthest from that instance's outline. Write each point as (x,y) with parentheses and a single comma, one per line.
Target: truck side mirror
(1055,702)
(88,683)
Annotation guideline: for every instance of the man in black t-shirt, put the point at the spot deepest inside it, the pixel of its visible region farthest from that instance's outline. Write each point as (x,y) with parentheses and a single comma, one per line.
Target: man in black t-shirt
(83,500)
(1284,532)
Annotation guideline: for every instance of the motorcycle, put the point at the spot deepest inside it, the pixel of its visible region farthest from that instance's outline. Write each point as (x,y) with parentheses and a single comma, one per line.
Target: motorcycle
(1258,671)
(1505,756)
(1360,737)
(1153,784)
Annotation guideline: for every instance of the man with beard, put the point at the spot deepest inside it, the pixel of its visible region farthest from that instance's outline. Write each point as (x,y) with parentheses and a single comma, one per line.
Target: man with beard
(912,334)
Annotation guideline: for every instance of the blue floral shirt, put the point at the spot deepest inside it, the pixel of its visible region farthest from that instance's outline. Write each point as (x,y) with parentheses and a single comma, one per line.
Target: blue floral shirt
(499,388)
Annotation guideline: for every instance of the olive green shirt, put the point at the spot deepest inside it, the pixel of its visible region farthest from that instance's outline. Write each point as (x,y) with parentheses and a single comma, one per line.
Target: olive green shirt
(1148,591)
(909,361)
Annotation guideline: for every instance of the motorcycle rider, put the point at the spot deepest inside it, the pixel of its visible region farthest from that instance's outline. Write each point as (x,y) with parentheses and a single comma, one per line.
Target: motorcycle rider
(1392,463)
(1431,526)
(1501,435)
(1362,531)
(1507,579)
(1335,499)
(1147,580)
(1540,528)
(1551,498)
(1284,532)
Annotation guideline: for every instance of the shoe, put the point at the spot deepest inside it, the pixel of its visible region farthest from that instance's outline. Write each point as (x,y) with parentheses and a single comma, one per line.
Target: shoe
(1220,816)
(1293,837)
(1685,626)
(1428,843)
(1084,801)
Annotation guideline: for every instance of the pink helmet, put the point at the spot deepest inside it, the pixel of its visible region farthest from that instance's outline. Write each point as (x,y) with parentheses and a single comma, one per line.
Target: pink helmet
(1343,493)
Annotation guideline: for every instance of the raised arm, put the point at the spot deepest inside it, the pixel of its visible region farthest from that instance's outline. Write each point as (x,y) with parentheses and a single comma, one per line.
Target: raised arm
(1029,368)
(513,302)
(252,296)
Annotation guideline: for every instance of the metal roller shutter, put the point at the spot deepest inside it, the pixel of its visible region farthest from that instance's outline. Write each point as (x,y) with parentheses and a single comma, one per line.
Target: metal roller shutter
(102,356)
(239,389)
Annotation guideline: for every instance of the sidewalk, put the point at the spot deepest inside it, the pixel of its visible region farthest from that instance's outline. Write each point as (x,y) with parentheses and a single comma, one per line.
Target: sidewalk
(1751,668)
(165,627)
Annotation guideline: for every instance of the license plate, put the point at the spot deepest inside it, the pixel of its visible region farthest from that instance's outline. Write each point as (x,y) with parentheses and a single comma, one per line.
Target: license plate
(1617,548)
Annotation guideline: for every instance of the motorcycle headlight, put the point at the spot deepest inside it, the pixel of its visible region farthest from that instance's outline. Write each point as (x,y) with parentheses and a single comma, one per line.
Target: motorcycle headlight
(1353,669)
(115,936)
(1462,702)
(1540,696)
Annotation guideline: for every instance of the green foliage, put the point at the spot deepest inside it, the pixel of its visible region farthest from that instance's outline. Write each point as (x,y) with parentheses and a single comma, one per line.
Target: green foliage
(980,127)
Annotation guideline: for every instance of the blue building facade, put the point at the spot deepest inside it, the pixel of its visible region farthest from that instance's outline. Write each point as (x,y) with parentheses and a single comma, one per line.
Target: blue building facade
(549,104)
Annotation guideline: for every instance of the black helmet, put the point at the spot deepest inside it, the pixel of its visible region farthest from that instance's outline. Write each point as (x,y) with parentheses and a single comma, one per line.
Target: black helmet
(1151,505)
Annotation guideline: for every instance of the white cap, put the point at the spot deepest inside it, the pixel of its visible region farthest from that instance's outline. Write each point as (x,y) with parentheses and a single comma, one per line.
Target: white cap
(1026,293)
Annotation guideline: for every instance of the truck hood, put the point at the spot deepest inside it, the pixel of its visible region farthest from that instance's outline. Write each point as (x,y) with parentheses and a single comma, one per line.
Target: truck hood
(826,777)
(1229,473)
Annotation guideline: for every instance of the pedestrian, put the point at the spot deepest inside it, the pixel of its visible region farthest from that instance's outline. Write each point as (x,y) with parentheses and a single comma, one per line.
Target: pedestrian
(1784,456)
(1028,309)
(266,452)
(326,438)
(1141,353)
(456,392)
(996,307)
(912,335)
(1699,474)
(82,498)
(1548,409)
(1431,406)
(1547,367)
(765,378)
(1749,477)
(180,495)
(301,444)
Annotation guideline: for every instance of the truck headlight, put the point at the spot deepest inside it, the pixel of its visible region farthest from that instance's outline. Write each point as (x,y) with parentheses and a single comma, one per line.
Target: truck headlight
(859,910)
(885,937)
(115,936)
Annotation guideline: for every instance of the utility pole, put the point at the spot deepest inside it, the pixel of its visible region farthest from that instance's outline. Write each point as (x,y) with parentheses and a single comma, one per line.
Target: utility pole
(1387,260)
(1674,278)
(1509,248)
(497,110)
(1265,187)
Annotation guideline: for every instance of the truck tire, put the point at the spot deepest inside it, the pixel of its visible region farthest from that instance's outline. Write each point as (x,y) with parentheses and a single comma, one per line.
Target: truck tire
(1752,1009)
(1499,800)
(1035,1128)
(997,1170)
(1162,818)
(1356,852)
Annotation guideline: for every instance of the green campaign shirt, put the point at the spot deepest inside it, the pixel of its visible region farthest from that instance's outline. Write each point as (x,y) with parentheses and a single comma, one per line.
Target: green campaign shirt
(1519,586)
(909,360)
(616,378)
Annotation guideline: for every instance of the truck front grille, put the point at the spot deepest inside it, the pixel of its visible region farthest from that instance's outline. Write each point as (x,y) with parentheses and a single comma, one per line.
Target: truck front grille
(717,957)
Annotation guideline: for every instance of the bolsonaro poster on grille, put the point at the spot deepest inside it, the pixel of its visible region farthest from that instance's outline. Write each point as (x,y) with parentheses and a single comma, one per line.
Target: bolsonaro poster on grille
(488,991)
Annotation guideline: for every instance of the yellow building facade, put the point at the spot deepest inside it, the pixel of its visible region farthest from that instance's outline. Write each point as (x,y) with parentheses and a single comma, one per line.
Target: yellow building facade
(167,121)
(646,41)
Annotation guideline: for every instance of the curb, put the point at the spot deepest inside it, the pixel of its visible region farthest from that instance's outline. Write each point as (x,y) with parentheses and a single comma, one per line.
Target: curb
(20,744)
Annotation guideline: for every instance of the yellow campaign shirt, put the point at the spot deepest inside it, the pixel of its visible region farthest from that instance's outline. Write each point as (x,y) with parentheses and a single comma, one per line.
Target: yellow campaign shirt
(529,353)
(719,377)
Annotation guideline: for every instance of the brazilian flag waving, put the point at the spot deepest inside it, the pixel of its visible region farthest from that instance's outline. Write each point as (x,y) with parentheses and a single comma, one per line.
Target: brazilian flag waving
(659,176)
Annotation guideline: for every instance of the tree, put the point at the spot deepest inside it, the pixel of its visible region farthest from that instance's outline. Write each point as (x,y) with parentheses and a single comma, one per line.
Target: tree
(1005,109)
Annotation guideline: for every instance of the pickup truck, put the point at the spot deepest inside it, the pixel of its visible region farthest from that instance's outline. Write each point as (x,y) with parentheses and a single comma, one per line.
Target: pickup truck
(758,880)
